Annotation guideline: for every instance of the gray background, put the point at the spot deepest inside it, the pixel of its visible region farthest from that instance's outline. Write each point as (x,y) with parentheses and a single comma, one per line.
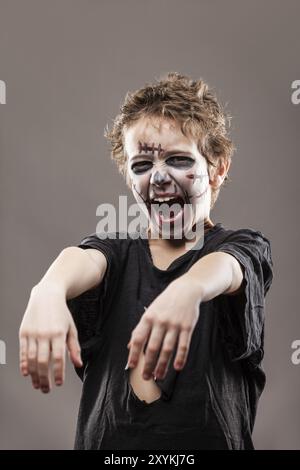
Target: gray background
(67,65)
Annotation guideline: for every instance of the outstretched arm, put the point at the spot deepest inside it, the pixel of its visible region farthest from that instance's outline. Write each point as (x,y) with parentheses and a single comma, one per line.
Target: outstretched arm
(47,327)
(173,315)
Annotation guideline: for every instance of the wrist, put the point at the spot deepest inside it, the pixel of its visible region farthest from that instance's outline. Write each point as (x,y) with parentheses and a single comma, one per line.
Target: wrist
(49,287)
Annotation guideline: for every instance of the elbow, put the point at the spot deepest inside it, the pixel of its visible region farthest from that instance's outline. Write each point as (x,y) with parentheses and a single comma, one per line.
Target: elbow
(237,277)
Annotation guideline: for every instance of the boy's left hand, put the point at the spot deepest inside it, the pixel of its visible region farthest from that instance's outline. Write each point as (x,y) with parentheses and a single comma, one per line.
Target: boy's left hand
(170,319)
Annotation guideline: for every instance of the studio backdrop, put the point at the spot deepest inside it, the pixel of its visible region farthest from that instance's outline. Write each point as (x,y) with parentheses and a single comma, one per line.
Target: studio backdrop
(65,67)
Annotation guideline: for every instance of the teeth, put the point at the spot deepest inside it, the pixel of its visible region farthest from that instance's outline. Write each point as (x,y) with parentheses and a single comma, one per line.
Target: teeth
(161,199)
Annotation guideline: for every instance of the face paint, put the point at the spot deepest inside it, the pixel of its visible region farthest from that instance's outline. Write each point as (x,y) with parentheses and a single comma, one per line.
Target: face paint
(147,148)
(194,177)
(158,179)
(162,175)
(170,190)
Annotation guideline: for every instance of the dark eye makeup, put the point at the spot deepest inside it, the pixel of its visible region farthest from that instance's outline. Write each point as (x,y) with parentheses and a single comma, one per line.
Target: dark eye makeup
(180,161)
(141,167)
(176,161)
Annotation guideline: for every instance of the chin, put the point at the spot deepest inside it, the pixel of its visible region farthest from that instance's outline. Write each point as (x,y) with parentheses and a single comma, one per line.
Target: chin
(174,227)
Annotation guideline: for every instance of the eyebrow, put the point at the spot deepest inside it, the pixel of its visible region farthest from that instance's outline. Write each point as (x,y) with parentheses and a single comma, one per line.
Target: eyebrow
(163,154)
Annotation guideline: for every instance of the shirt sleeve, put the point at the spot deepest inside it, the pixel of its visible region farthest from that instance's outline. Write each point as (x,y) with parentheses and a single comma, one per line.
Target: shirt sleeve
(242,315)
(87,309)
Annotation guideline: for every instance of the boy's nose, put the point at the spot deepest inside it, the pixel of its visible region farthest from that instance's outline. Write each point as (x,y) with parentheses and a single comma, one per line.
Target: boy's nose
(158,178)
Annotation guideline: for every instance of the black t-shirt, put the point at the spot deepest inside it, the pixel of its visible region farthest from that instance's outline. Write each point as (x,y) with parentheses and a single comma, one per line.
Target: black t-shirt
(209,404)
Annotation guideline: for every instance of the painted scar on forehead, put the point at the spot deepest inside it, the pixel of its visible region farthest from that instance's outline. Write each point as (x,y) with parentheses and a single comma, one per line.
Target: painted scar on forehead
(144,147)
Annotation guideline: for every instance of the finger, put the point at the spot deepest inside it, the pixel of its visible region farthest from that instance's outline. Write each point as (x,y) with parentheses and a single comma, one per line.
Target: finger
(58,353)
(23,356)
(154,344)
(43,356)
(74,347)
(168,347)
(182,349)
(32,362)
(138,338)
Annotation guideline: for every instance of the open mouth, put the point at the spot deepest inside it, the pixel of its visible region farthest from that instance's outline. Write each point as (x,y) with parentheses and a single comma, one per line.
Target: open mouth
(167,209)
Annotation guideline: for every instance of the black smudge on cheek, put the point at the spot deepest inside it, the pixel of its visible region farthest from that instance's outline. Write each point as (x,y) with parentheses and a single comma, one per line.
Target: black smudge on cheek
(183,191)
(138,192)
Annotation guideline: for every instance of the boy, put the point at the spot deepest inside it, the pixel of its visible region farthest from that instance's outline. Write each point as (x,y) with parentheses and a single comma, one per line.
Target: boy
(171,333)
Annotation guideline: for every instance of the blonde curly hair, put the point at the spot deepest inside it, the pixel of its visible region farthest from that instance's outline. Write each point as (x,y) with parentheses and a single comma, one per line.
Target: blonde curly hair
(191,103)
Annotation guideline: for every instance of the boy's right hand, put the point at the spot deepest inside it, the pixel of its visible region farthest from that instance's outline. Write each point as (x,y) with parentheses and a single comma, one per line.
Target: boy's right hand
(47,328)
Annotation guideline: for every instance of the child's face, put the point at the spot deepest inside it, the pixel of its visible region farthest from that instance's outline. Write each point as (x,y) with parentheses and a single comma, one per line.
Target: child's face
(164,165)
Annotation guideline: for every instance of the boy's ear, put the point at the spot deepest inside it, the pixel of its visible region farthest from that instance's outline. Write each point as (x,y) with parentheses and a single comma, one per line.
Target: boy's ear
(217,175)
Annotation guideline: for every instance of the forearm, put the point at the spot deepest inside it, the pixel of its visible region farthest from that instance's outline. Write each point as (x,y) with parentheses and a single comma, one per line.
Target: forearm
(73,272)
(214,274)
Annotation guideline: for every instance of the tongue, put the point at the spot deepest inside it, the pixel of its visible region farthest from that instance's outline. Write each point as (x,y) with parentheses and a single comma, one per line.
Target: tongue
(167,212)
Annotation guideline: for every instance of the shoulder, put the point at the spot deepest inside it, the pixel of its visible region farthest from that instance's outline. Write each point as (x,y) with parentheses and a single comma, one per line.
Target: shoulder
(121,250)
(244,235)
(110,243)
(247,243)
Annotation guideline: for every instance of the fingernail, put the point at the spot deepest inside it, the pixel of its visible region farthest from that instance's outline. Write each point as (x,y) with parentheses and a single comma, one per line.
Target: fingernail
(127,366)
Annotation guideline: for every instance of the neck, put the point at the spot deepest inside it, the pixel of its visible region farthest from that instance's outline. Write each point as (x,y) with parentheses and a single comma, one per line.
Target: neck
(178,242)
